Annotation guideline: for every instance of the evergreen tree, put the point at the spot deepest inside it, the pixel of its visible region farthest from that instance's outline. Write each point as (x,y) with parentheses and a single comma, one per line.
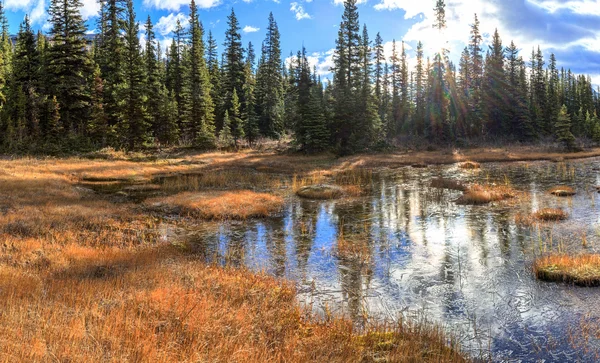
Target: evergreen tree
(135,120)
(201,114)
(562,129)
(236,123)
(226,140)
(494,89)
(270,84)
(475,92)
(233,68)
(97,129)
(111,58)
(420,93)
(69,63)
(251,127)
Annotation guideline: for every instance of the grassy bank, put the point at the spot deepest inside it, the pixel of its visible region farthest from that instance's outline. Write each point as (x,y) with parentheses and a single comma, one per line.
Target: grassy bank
(83,278)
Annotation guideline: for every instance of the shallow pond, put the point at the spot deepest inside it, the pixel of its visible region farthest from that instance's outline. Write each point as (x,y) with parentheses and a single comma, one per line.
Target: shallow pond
(419,254)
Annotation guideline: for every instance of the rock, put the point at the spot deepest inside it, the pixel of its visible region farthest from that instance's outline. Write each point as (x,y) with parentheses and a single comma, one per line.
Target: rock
(320,191)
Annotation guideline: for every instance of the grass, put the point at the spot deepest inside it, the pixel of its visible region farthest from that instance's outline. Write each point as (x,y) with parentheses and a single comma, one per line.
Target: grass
(469,165)
(443,183)
(542,215)
(483,194)
(562,191)
(581,270)
(240,204)
(86,280)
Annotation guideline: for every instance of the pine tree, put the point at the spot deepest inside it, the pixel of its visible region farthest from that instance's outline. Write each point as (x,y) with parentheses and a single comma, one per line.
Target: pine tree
(200,124)
(251,127)
(23,98)
(69,63)
(562,129)
(494,89)
(270,105)
(111,58)
(135,120)
(475,93)
(420,93)
(235,119)
(226,140)
(379,74)
(233,66)
(55,127)
(212,63)
(346,79)
(97,129)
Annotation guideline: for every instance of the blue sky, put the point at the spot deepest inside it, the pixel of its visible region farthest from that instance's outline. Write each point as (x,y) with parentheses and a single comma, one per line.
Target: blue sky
(569,28)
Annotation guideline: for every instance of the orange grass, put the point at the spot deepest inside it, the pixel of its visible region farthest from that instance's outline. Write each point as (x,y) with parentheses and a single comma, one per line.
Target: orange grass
(470,165)
(159,305)
(86,280)
(542,215)
(582,270)
(562,191)
(479,194)
(240,204)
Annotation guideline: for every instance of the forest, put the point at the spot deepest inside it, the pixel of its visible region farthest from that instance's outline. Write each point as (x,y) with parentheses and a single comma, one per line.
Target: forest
(62,92)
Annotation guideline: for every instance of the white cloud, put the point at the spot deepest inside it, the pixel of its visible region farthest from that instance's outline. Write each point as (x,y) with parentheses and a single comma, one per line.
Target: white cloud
(299,10)
(167,24)
(586,7)
(35,8)
(175,5)
(250,29)
(323,61)
(90,8)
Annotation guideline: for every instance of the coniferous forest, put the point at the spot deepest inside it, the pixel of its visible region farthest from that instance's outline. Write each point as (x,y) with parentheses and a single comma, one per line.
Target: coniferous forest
(61,92)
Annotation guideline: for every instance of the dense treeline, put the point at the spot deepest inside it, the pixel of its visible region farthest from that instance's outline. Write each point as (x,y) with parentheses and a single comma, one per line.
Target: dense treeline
(59,93)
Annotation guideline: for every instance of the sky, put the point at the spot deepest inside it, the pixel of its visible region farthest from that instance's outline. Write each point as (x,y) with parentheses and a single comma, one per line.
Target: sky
(568,28)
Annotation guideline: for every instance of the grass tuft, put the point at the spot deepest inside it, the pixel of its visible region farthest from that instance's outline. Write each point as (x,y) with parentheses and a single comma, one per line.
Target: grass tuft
(470,165)
(240,204)
(479,194)
(581,270)
(562,191)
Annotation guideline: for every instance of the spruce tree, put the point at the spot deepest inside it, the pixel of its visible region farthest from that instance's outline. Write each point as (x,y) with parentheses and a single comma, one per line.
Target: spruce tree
(494,89)
(236,123)
(249,116)
(562,129)
(134,125)
(226,140)
(69,63)
(200,124)
(233,67)
(111,58)
(475,93)
(270,105)
(97,128)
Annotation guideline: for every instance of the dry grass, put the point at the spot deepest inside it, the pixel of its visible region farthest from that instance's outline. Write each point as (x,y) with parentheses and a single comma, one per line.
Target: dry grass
(85,280)
(240,204)
(443,183)
(562,191)
(158,305)
(550,215)
(542,215)
(484,194)
(582,270)
(469,165)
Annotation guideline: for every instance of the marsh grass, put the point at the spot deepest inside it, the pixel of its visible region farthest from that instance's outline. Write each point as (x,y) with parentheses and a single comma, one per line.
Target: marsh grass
(541,216)
(581,270)
(469,165)
(86,280)
(239,204)
(483,194)
(562,191)
(219,180)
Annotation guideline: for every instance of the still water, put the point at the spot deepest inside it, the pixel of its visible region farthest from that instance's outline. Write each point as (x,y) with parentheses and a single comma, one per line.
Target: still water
(467,268)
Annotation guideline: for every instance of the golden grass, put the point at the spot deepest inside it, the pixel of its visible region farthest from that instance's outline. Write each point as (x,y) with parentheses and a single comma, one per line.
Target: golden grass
(484,194)
(551,215)
(443,183)
(160,305)
(562,191)
(240,204)
(470,165)
(85,280)
(542,215)
(582,270)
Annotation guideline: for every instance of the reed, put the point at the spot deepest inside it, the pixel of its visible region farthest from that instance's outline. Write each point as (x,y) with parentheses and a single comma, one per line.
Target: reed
(582,270)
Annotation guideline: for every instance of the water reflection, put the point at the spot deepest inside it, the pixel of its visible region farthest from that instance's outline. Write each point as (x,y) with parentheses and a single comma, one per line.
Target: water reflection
(468,268)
